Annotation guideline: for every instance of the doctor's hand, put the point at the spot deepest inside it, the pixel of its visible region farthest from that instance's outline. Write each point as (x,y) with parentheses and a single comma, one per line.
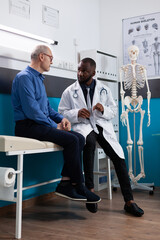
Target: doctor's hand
(99,107)
(64,125)
(83,113)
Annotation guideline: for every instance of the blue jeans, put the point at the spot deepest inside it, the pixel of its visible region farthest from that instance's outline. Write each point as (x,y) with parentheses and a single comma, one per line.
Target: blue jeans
(72,143)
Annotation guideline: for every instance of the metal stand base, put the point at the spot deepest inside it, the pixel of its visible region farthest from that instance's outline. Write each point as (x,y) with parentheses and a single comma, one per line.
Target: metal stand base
(142,186)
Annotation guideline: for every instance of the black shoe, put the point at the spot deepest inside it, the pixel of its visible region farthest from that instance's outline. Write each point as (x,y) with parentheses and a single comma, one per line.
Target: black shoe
(65,189)
(92,207)
(91,197)
(134,210)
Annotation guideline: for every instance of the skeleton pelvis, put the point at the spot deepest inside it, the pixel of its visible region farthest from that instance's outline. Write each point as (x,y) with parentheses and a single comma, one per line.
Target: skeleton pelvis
(133,104)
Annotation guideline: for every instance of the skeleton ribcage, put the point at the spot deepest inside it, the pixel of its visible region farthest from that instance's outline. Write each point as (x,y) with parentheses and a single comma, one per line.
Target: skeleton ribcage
(134,76)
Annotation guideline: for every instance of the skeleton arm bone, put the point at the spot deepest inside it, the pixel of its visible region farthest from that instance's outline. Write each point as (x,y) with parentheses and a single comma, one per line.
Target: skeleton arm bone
(148,98)
(122,93)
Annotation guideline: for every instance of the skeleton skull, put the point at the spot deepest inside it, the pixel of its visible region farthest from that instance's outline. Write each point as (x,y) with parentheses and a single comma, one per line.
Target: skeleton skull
(133,52)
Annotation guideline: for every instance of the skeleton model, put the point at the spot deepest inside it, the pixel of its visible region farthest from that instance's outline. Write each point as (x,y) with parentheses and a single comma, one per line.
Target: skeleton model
(134,76)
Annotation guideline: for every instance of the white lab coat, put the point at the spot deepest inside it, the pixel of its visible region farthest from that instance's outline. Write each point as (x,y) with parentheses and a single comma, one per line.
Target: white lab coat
(73,100)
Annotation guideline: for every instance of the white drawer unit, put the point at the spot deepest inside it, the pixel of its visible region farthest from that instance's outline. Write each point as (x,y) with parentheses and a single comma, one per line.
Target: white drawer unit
(103,172)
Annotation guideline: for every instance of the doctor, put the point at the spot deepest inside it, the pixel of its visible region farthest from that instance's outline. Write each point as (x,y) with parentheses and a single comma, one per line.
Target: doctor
(89,106)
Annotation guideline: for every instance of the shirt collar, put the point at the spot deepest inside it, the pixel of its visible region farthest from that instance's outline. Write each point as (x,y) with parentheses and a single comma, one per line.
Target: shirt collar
(36,73)
(83,86)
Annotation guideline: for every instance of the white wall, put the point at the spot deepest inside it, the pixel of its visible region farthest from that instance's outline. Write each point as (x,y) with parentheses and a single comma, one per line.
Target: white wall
(95,24)
(78,19)
(111,15)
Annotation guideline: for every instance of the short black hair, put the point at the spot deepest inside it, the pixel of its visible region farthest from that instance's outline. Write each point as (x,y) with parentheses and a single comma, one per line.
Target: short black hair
(90,61)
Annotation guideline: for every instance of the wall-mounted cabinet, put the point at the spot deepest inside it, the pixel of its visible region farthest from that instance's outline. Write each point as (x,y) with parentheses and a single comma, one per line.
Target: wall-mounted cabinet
(106,64)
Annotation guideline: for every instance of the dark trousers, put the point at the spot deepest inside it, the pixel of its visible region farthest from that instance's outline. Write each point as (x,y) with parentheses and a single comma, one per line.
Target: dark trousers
(119,163)
(71,141)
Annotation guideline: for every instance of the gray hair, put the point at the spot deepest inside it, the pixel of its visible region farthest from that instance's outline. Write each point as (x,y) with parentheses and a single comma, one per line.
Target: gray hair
(38,49)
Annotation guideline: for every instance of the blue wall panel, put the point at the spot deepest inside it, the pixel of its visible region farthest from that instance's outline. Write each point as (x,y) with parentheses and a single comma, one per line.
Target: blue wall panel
(6,115)
(37,167)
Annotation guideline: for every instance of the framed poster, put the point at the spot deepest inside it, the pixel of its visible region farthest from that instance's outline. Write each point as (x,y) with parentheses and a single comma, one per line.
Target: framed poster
(20,8)
(50,16)
(144,32)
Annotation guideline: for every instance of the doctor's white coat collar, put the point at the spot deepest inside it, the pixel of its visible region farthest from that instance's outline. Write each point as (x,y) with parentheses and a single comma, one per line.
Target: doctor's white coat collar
(76,87)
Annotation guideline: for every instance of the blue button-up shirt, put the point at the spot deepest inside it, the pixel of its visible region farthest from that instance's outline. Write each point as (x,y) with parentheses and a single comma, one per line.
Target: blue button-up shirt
(30,101)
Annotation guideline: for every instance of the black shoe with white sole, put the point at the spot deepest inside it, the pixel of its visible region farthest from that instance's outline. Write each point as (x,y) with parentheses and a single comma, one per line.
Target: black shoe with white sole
(67,190)
(91,197)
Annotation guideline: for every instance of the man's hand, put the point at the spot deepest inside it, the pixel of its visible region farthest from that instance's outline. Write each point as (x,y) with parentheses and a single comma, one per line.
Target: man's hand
(83,113)
(64,125)
(99,107)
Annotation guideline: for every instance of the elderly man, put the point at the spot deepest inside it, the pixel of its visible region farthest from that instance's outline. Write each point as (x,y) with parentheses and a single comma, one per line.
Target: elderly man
(36,119)
(89,106)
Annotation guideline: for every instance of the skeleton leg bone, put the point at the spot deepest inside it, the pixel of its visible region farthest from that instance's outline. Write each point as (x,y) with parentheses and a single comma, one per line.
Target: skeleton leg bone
(129,140)
(140,141)
(129,149)
(140,149)
(141,161)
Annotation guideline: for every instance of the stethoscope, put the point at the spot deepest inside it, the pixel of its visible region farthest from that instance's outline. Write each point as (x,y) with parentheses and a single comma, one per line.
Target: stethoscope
(103,90)
(75,95)
(103,94)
